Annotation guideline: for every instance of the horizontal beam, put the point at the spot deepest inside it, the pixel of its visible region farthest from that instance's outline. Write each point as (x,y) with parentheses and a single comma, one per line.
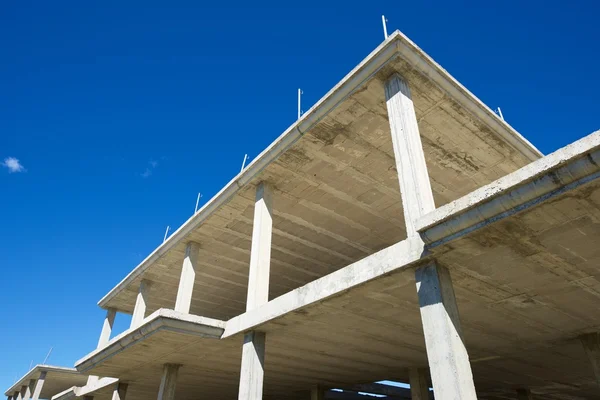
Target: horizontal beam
(551,176)
(400,255)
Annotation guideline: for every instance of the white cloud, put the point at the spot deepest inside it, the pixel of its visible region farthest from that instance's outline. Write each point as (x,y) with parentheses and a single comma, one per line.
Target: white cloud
(146,173)
(152,166)
(13,165)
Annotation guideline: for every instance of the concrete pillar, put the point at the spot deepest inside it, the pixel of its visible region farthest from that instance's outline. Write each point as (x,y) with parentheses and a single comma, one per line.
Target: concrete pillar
(22,392)
(419,389)
(253,361)
(446,351)
(139,312)
(187,279)
(17,395)
(120,391)
(168,382)
(591,345)
(524,394)
(39,385)
(260,255)
(29,390)
(317,393)
(415,187)
(107,325)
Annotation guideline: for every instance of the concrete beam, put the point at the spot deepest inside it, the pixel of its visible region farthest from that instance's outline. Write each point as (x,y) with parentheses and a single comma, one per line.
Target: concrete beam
(419,388)
(415,186)
(120,391)
(524,394)
(168,382)
(446,351)
(187,278)
(566,169)
(260,255)
(252,370)
(591,345)
(39,385)
(139,312)
(397,256)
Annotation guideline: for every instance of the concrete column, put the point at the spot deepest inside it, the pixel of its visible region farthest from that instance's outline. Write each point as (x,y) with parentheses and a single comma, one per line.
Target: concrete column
(17,396)
(524,394)
(139,312)
(448,358)
(317,393)
(260,255)
(120,391)
(168,382)
(29,390)
(107,325)
(39,385)
(187,279)
(419,389)
(253,361)
(591,345)
(22,392)
(415,187)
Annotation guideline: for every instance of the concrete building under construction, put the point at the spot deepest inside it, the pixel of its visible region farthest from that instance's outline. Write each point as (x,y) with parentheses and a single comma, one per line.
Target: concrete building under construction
(399,230)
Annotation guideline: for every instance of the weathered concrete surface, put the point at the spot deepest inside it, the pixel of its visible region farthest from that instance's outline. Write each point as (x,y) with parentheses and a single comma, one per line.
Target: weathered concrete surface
(419,388)
(336,188)
(252,370)
(564,170)
(260,253)
(413,177)
(50,381)
(591,345)
(141,303)
(187,279)
(160,320)
(449,363)
(168,382)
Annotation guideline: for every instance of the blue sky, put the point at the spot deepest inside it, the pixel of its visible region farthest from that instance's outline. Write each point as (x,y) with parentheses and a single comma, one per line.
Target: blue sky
(120,113)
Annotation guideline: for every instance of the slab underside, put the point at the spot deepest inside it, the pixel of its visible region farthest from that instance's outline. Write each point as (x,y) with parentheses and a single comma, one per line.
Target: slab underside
(57,380)
(336,196)
(526,286)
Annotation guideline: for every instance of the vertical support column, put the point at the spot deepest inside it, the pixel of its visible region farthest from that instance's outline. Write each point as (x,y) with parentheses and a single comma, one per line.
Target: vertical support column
(252,372)
(524,394)
(419,389)
(317,393)
(168,382)
(39,385)
(260,254)
(139,312)
(17,395)
(187,279)
(29,389)
(107,325)
(448,359)
(120,391)
(253,349)
(22,392)
(591,345)
(415,186)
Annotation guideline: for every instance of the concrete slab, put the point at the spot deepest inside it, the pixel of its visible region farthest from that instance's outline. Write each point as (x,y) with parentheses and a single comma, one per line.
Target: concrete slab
(57,380)
(335,185)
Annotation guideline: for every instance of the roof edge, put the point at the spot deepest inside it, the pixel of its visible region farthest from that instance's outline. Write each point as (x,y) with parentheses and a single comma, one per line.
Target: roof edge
(161,319)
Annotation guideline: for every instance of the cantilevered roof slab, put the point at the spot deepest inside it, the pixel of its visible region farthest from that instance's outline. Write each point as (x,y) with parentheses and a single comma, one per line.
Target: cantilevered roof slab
(336,194)
(57,380)
(527,284)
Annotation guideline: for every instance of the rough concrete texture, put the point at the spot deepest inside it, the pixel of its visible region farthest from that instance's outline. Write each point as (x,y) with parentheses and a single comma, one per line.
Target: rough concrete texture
(335,185)
(343,307)
(49,380)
